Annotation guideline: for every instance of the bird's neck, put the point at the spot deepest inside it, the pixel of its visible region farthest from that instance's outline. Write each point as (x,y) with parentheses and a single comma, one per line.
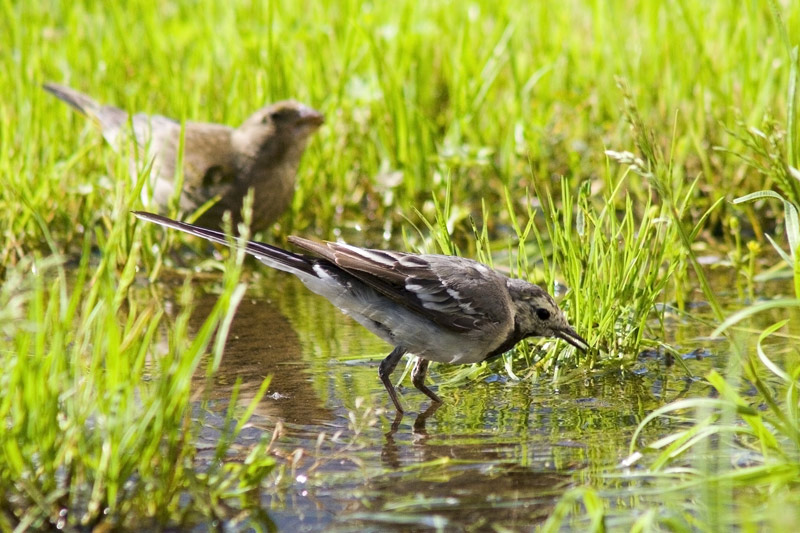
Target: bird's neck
(513,338)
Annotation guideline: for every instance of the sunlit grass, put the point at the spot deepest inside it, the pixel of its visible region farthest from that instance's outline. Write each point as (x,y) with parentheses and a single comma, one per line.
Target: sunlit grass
(512,116)
(740,448)
(521,95)
(746,440)
(98,411)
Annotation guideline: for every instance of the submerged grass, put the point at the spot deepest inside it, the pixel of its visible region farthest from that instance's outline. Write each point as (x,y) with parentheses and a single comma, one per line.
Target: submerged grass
(747,440)
(98,412)
(509,115)
(741,448)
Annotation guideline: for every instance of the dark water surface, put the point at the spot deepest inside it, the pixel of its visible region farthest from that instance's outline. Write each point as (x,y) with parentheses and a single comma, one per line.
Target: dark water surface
(497,454)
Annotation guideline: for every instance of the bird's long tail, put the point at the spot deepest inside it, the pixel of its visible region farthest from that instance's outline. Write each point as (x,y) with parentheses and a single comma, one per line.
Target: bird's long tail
(107,117)
(270,255)
(78,100)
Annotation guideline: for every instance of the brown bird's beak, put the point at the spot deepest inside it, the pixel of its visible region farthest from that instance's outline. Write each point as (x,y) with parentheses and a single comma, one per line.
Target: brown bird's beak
(571,336)
(310,117)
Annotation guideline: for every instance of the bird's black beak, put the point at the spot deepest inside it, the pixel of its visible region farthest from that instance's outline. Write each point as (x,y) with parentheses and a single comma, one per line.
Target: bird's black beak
(571,336)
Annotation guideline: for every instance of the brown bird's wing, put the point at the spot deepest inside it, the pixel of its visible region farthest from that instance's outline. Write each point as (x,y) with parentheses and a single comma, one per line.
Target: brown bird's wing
(435,286)
(208,169)
(208,154)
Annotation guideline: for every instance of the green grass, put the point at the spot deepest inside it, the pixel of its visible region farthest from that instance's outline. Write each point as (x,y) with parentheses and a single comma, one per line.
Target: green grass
(740,449)
(597,144)
(492,96)
(98,420)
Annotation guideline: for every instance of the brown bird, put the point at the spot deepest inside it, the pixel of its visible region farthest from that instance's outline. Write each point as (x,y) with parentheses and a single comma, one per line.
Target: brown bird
(440,308)
(218,161)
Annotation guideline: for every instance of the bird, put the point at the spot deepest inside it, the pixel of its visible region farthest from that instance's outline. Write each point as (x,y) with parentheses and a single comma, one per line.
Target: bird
(219,161)
(441,308)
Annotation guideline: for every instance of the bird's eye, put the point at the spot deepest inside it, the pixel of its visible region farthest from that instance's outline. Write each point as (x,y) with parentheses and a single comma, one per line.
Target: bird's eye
(265,119)
(281,114)
(542,313)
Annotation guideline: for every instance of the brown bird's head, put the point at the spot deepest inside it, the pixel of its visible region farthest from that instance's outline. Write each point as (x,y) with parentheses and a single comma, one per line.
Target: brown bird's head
(266,151)
(278,130)
(538,315)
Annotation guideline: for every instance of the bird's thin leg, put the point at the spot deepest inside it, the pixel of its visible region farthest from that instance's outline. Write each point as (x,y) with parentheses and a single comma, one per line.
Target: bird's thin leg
(418,379)
(385,372)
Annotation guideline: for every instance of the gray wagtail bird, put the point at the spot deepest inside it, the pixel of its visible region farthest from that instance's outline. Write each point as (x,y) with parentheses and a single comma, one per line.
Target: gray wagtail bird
(263,154)
(440,308)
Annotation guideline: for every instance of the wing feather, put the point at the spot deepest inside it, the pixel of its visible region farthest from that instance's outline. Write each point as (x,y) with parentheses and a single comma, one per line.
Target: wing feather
(441,288)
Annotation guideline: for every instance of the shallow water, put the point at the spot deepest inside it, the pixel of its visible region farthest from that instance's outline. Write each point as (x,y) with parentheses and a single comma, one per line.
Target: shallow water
(498,453)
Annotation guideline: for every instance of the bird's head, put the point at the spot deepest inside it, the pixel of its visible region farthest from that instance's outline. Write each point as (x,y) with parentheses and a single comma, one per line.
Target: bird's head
(537,315)
(278,128)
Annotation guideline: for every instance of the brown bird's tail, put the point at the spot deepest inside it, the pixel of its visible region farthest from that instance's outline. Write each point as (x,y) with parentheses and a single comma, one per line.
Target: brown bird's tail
(107,117)
(79,101)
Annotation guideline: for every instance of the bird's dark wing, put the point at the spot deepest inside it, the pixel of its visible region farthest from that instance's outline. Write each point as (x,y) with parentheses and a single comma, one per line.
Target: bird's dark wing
(454,292)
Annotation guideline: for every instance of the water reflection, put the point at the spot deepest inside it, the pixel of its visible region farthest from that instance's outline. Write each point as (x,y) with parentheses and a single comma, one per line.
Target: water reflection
(506,495)
(261,343)
(497,454)
(390,454)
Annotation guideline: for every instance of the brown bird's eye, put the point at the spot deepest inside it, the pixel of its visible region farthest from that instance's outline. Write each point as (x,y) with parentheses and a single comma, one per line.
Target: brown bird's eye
(543,313)
(281,114)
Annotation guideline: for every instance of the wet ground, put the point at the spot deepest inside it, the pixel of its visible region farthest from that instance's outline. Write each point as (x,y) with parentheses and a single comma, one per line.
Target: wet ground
(497,454)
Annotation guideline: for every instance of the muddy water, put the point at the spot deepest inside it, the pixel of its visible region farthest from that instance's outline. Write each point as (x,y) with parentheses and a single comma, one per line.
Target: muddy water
(497,454)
